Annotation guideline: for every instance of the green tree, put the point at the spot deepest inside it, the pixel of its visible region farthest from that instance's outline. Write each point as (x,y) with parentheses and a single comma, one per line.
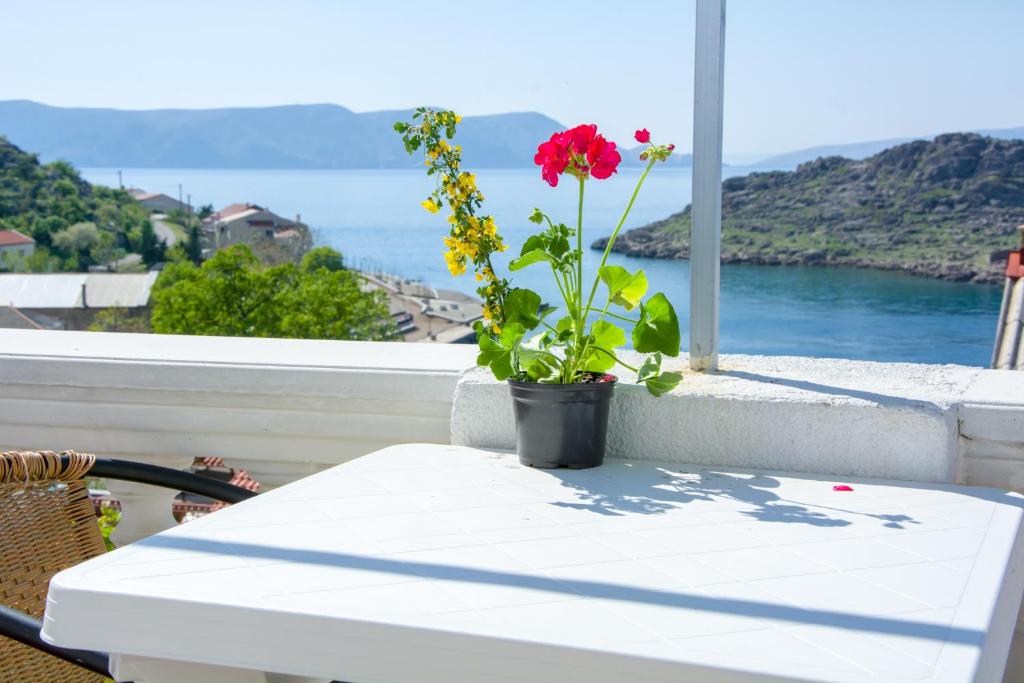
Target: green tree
(121,320)
(152,249)
(322,257)
(76,244)
(193,246)
(234,294)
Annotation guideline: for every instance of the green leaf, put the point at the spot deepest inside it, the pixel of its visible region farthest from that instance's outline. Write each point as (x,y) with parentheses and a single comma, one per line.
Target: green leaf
(624,288)
(658,327)
(520,308)
(605,338)
(537,364)
(528,259)
(537,216)
(607,335)
(559,246)
(497,353)
(663,383)
(657,382)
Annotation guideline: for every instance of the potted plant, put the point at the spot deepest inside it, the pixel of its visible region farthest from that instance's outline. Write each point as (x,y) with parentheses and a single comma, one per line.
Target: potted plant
(555,359)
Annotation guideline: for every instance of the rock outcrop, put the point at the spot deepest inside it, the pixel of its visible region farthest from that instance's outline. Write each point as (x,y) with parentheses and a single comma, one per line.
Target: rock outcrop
(947,208)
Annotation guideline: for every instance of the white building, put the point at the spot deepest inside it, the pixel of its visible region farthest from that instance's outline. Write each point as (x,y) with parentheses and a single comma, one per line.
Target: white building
(247,223)
(158,202)
(13,242)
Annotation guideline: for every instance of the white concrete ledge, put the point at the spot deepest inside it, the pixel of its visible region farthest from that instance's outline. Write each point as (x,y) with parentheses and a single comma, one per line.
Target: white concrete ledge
(259,399)
(835,417)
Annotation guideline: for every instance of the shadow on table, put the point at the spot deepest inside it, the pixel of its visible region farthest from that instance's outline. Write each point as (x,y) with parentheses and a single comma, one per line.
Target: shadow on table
(571,587)
(654,490)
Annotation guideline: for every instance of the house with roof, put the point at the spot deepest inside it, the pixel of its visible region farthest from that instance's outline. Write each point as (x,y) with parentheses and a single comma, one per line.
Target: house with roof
(14,242)
(249,223)
(158,202)
(69,301)
(1008,353)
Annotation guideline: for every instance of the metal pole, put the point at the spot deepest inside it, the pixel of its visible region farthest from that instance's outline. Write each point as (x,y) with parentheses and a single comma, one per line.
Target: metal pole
(706,211)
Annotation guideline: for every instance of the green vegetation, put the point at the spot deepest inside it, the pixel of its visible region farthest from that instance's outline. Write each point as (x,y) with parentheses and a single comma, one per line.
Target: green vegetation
(75,224)
(946,208)
(234,294)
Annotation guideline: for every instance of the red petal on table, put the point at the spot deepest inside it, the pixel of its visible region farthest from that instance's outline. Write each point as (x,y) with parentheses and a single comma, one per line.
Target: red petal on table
(842,487)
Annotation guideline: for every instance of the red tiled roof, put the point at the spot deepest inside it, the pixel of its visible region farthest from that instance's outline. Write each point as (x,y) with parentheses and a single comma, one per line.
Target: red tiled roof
(12,237)
(242,479)
(231,210)
(1015,264)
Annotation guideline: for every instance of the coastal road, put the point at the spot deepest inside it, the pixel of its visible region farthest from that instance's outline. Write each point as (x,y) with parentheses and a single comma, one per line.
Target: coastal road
(163,230)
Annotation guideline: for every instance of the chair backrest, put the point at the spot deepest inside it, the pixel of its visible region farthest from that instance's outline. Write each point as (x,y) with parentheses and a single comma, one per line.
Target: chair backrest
(47,523)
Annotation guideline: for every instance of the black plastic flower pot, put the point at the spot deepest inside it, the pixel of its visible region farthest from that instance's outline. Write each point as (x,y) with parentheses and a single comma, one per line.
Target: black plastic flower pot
(562,425)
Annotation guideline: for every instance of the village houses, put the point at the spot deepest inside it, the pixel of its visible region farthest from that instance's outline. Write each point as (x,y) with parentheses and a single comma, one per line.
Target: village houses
(248,223)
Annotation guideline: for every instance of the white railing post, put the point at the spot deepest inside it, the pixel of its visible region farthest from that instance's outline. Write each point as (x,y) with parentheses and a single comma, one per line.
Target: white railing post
(706,212)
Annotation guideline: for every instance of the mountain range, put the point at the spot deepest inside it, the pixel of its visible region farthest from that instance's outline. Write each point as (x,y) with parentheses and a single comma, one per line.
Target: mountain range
(309,136)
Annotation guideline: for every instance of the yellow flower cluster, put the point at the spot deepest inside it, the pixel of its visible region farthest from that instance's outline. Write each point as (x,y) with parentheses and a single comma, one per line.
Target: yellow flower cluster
(472,239)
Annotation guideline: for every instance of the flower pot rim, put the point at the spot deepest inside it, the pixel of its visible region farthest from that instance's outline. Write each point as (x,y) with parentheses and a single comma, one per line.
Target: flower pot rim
(560,386)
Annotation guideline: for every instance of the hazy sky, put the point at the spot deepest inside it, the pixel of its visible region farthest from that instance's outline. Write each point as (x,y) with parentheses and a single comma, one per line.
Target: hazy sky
(798,72)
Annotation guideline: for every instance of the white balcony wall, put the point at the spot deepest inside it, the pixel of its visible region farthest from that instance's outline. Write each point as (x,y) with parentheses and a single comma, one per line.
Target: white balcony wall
(286,408)
(280,408)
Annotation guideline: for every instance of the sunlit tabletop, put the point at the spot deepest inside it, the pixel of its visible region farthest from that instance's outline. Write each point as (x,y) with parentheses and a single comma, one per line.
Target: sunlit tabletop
(439,564)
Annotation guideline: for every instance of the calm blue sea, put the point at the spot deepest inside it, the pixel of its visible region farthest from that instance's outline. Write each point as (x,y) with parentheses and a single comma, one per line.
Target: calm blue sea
(374,218)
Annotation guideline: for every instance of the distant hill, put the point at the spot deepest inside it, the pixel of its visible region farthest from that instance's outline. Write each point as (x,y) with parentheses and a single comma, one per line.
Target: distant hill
(75,225)
(945,208)
(863,150)
(294,136)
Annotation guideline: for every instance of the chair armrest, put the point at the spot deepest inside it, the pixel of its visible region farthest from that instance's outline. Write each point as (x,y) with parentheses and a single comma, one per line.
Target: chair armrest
(142,473)
(24,629)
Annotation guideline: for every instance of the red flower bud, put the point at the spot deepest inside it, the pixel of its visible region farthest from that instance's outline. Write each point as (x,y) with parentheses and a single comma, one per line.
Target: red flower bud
(643,136)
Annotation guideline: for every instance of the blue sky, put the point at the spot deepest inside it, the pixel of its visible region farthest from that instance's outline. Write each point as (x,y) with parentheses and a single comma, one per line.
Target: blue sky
(798,72)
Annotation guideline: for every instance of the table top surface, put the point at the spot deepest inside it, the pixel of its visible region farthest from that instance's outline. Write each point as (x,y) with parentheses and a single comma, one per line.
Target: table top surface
(439,563)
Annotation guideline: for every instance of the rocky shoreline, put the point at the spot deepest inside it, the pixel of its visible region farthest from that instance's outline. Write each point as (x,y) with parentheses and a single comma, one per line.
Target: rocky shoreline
(945,209)
(649,242)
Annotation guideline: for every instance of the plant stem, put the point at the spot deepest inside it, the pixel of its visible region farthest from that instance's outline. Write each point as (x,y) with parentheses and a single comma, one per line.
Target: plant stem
(580,320)
(617,359)
(615,234)
(615,315)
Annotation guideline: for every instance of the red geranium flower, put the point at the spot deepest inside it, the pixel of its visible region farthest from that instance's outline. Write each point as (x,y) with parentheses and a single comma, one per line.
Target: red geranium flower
(643,136)
(581,151)
(603,158)
(552,156)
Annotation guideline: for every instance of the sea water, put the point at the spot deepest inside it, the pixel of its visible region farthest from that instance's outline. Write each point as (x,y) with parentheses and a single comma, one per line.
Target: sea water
(375,219)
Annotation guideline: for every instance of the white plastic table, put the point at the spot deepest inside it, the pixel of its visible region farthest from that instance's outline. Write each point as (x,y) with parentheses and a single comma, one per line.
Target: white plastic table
(438,564)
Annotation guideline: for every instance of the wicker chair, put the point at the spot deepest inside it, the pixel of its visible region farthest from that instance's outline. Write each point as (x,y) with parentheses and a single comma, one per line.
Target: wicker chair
(47,523)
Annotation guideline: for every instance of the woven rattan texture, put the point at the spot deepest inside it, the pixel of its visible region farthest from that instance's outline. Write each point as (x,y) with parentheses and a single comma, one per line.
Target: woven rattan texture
(47,524)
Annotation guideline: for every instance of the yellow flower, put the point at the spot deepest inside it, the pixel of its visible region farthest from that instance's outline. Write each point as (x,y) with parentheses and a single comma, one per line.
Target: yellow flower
(490,229)
(430,205)
(458,119)
(479,277)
